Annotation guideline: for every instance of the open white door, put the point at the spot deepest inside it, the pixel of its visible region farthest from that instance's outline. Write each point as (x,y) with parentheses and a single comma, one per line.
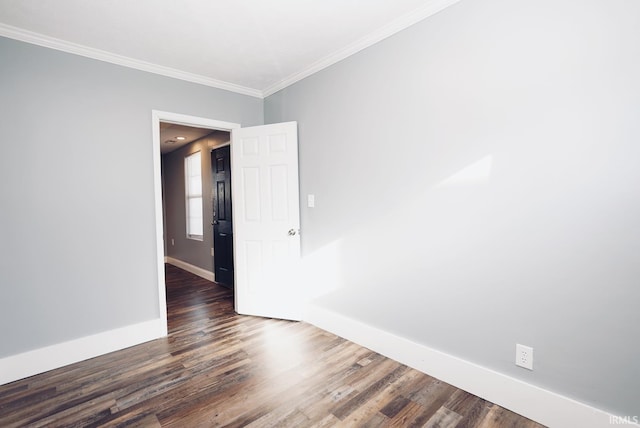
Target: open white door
(266,218)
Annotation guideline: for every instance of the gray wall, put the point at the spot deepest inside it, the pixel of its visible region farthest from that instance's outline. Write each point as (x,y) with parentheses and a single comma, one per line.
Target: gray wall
(197,253)
(540,243)
(77,219)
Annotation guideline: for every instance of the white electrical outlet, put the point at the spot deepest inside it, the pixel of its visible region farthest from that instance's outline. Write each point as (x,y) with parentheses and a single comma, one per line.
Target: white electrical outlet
(212,251)
(173,242)
(311,201)
(524,356)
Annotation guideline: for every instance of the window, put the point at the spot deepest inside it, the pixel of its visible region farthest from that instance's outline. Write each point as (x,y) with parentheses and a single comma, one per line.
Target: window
(193,181)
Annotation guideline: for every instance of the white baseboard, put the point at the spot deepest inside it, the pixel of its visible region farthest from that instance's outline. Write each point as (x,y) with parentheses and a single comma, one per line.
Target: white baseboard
(202,273)
(40,360)
(543,406)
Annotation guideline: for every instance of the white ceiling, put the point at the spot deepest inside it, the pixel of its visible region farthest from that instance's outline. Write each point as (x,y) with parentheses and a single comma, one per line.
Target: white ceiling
(170,133)
(255,47)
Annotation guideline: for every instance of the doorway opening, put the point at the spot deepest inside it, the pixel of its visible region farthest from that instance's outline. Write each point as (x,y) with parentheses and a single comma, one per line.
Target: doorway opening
(168,121)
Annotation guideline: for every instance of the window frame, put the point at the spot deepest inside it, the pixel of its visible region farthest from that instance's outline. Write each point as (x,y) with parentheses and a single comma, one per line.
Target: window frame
(191,195)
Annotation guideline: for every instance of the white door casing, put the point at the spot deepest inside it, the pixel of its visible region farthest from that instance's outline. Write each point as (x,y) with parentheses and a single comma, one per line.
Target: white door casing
(266,221)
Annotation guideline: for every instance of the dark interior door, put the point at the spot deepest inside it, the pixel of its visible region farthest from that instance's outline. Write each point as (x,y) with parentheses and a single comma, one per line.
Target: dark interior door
(222,224)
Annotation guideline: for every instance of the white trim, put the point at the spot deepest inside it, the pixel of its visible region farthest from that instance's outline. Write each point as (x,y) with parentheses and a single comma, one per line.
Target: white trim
(52,357)
(202,273)
(157,193)
(77,49)
(546,407)
(188,120)
(227,144)
(431,8)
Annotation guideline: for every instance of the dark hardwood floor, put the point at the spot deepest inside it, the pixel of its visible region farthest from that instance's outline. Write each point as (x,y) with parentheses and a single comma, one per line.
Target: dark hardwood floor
(217,368)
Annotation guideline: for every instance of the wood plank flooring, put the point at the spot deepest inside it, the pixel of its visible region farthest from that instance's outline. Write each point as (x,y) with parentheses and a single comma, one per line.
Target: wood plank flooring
(217,368)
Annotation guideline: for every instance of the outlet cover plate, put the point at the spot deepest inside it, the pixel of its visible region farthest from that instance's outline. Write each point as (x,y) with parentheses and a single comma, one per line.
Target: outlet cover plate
(524,356)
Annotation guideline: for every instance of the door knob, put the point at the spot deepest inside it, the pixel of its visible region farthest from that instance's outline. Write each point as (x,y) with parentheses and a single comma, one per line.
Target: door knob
(292,232)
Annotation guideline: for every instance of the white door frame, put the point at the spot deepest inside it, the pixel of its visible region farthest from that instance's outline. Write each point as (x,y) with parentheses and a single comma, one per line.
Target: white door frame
(179,119)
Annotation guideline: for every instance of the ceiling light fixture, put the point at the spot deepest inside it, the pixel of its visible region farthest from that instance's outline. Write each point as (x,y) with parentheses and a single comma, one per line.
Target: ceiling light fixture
(181,138)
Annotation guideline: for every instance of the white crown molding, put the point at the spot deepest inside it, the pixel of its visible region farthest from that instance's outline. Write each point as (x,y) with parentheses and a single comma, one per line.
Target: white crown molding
(431,8)
(65,46)
(405,21)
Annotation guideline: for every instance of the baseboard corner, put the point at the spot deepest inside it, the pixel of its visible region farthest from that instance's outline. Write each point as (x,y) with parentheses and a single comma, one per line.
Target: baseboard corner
(543,406)
(202,273)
